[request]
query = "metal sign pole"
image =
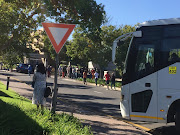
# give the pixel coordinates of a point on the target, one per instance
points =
(54, 33)
(55, 90)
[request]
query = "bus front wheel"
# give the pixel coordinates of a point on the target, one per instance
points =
(177, 120)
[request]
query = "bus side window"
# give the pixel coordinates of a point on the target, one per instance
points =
(170, 52)
(144, 60)
(173, 57)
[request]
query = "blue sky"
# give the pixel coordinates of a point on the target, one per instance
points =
(131, 12)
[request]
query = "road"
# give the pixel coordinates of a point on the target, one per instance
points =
(96, 99)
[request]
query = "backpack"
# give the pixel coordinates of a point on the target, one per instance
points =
(47, 92)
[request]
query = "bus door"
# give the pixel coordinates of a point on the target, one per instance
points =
(143, 88)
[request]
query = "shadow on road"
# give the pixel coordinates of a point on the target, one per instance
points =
(165, 130)
(115, 127)
(86, 101)
(12, 74)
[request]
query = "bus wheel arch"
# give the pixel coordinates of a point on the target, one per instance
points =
(172, 111)
(177, 120)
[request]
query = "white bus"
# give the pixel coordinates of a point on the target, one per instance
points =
(151, 78)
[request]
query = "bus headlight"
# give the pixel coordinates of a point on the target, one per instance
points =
(121, 97)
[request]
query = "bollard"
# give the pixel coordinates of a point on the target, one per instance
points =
(7, 83)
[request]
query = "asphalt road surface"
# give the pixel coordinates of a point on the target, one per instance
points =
(96, 99)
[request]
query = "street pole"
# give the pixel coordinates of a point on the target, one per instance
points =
(7, 86)
(55, 90)
(54, 35)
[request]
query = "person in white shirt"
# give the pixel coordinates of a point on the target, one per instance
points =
(59, 69)
(96, 77)
(73, 72)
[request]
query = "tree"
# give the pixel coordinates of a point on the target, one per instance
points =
(104, 48)
(87, 13)
(99, 50)
(19, 18)
(121, 50)
(17, 22)
(10, 58)
(78, 48)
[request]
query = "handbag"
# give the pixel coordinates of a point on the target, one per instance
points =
(33, 82)
(47, 92)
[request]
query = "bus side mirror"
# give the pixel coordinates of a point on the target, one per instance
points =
(137, 34)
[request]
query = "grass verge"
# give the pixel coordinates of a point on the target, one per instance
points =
(19, 117)
(101, 82)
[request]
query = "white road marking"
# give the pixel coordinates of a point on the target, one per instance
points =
(97, 92)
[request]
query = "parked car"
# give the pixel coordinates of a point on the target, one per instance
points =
(23, 68)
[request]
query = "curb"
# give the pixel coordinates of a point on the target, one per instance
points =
(114, 117)
(92, 84)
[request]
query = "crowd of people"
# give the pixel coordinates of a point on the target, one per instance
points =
(72, 72)
(41, 73)
(76, 72)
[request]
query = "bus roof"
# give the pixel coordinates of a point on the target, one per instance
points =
(160, 22)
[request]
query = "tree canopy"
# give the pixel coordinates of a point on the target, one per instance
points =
(99, 50)
(19, 18)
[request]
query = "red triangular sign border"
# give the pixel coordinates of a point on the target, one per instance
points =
(59, 46)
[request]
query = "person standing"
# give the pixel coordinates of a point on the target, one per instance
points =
(49, 71)
(70, 72)
(63, 71)
(76, 73)
(113, 80)
(81, 72)
(39, 86)
(107, 78)
(29, 70)
(96, 77)
(73, 72)
(92, 73)
(59, 69)
(84, 77)
(35, 68)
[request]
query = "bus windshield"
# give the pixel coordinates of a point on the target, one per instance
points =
(158, 48)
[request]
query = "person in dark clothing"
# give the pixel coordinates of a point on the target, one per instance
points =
(96, 77)
(70, 72)
(49, 71)
(113, 80)
(29, 70)
(84, 77)
(81, 72)
(63, 71)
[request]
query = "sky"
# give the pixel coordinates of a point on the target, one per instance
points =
(131, 12)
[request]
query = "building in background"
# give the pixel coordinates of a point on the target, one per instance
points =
(37, 56)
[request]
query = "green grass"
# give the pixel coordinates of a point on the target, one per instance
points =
(101, 82)
(19, 117)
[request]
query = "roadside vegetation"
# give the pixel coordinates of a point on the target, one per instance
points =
(101, 82)
(20, 117)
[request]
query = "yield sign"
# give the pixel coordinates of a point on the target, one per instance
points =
(58, 33)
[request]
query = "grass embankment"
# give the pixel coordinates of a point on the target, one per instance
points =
(19, 117)
(101, 82)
